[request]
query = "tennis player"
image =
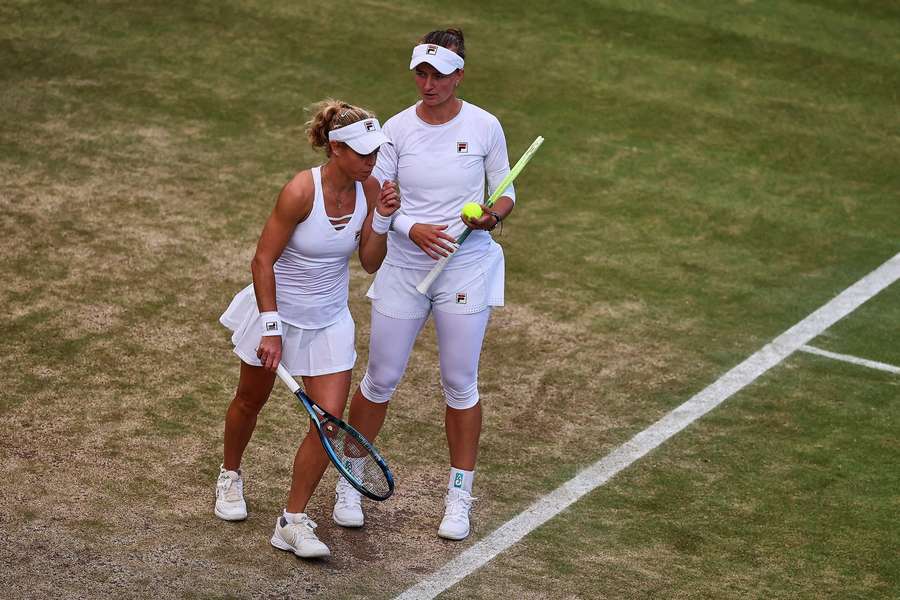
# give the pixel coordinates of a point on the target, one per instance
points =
(296, 311)
(443, 151)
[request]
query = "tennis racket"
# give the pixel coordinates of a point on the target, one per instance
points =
(510, 177)
(352, 455)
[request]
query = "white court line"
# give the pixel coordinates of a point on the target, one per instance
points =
(607, 467)
(872, 364)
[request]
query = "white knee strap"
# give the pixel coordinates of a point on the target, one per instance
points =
(374, 392)
(461, 399)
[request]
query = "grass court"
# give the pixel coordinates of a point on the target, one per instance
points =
(713, 172)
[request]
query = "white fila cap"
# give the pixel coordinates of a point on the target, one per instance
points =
(444, 60)
(364, 137)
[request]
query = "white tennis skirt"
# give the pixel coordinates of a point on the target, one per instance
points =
(309, 352)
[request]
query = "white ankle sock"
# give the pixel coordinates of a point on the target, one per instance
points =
(461, 480)
(291, 517)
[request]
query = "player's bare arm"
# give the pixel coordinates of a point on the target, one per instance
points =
(293, 205)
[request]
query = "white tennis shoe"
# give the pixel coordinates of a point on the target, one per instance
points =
(347, 505)
(299, 537)
(455, 524)
(230, 504)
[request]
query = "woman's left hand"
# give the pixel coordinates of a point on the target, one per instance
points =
(485, 222)
(388, 200)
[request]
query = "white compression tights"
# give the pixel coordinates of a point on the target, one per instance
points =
(459, 348)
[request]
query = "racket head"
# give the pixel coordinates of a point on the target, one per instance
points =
(355, 458)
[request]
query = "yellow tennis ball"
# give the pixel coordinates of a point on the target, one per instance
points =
(471, 210)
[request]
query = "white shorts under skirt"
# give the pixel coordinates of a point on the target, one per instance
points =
(307, 352)
(458, 291)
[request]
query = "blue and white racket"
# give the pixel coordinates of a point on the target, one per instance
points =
(355, 458)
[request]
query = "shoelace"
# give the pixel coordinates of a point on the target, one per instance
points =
(347, 494)
(303, 529)
(458, 506)
(232, 489)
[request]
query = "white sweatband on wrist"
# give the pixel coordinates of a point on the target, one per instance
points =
(403, 224)
(271, 323)
(380, 223)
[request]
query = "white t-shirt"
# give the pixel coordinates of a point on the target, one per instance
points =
(438, 169)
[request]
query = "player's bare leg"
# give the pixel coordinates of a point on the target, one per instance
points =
(254, 387)
(330, 392)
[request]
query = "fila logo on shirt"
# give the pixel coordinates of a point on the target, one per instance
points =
(370, 126)
(461, 298)
(432, 50)
(462, 147)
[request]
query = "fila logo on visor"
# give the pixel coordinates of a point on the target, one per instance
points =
(370, 126)
(462, 147)
(461, 298)
(431, 50)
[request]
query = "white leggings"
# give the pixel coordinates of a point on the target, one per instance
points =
(459, 348)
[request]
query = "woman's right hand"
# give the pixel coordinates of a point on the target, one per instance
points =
(432, 239)
(269, 352)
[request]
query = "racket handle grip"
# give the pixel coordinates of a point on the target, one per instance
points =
(432, 274)
(287, 378)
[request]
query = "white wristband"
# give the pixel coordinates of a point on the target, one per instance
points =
(403, 224)
(271, 323)
(380, 223)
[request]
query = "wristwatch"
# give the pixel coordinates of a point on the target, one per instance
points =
(497, 218)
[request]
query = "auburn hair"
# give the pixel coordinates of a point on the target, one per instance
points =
(331, 114)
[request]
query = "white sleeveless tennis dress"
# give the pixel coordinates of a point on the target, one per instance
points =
(312, 280)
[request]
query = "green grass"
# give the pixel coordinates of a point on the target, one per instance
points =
(713, 172)
(784, 492)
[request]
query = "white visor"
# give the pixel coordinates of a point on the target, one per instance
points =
(363, 136)
(444, 60)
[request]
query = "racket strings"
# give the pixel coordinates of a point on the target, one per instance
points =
(358, 460)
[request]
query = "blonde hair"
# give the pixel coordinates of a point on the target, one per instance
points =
(331, 114)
